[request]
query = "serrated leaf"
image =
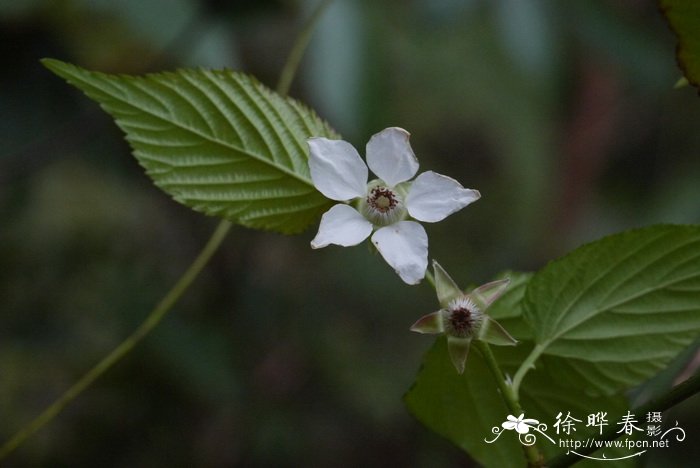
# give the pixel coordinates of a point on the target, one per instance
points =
(465, 408)
(462, 407)
(581, 376)
(619, 309)
(217, 141)
(547, 392)
(684, 18)
(508, 308)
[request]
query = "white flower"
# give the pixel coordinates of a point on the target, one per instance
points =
(520, 424)
(383, 205)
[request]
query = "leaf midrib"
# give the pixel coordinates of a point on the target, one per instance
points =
(594, 281)
(99, 77)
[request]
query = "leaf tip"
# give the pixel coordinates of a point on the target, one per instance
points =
(50, 63)
(56, 66)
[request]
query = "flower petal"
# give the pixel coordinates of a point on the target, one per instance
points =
(487, 293)
(404, 246)
(341, 225)
(492, 332)
(390, 156)
(431, 324)
(459, 350)
(445, 287)
(337, 169)
(509, 425)
(433, 197)
(522, 428)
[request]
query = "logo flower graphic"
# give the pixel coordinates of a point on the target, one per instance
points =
(385, 205)
(521, 425)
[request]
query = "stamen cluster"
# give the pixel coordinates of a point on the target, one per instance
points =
(382, 199)
(383, 206)
(463, 318)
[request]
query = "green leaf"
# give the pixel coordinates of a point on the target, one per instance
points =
(465, 408)
(684, 18)
(217, 141)
(508, 308)
(547, 392)
(462, 408)
(619, 309)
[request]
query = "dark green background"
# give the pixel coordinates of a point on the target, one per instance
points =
(563, 115)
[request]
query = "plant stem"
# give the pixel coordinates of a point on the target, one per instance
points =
(125, 346)
(510, 397)
(297, 52)
(671, 398)
(527, 364)
(431, 279)
(507, 390)
(170, 299)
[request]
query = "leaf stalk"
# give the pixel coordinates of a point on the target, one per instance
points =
(153, 319)
(510, 397)
(171, 298)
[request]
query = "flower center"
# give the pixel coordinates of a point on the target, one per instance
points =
(461, 321)
(383, 205)
(463, 318)
(382, 199)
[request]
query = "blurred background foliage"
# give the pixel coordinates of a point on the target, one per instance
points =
(563, 114)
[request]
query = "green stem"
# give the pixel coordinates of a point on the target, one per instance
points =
(431, 279)
(506, 389)
(297, 52)
(527, 364)
(671, 398)
(125, 346)
(510, 397)
(166, 304)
